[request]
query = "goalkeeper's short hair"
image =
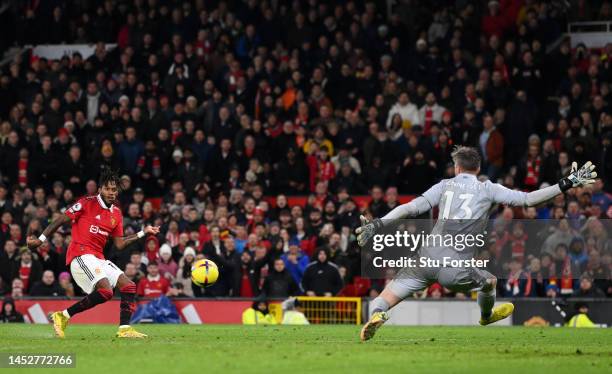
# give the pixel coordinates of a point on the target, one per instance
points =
(466, 158)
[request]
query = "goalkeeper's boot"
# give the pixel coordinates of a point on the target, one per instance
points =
(59, 321)
(498, 313)
(369, 329)
(129, 332)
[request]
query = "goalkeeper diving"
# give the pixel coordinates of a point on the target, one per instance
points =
(464, 204)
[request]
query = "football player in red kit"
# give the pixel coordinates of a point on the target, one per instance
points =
(95, 219)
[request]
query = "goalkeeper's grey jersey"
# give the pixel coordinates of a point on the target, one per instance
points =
(464, 204)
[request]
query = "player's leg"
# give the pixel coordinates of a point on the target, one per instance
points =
(101, 294)
(86, 271)
(127, 289)
(474, 279)
(486, 301)
(407, 282)
(385, 301)
(486, 298)
(378, 308)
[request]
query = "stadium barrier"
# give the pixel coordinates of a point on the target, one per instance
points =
(600, 310)
(451, 312)
(350, 310)
(318, 310)
(192, 311)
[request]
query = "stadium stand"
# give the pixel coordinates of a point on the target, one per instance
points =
(256, 130)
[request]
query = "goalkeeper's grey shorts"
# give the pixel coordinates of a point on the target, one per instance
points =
(413, 279)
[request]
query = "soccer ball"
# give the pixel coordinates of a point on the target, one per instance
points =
(204, 273)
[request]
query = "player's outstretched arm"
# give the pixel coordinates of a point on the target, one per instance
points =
(576, 178)
(123, 241)
(33, 242)
(414, 208)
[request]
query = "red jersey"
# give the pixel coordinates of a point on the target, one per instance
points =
(92, 224)
(153, 287)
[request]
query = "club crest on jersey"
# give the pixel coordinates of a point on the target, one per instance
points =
(98, 271)
(113, 221)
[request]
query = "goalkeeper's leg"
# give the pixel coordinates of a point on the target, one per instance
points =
(486, 300)
(394, 292)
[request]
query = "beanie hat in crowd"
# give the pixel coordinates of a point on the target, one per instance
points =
(165, 249)
(189, 251)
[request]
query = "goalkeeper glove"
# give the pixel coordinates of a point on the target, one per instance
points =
(367, 230)
(578, 177)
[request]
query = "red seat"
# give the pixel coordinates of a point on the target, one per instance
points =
(362, 286)
(348, 291)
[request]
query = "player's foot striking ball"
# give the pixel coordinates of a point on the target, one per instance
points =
(467, 201)
(94, 219)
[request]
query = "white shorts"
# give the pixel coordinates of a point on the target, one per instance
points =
(88, 270)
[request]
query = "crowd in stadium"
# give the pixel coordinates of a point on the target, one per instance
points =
(218, 114)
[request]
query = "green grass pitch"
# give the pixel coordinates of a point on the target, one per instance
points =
(287, 349)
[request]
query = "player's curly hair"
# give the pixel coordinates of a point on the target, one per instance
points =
(107, 176)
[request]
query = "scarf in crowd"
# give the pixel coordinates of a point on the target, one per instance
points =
(22, 174)
(533, 172)
(567, 284)
(428, 120)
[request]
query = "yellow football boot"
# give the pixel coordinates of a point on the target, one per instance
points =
(369, 329)
(498, 313)
(59, 321)
(129, 332)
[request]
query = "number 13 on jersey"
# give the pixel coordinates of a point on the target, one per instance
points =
(466, 211)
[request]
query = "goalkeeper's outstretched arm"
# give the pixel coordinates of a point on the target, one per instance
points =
(500, 194)
(414, 208)
(577, 177)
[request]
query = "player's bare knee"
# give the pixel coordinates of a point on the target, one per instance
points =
(124, 283)
(104, 288)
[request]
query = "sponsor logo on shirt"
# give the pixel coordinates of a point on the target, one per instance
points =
(96, 230)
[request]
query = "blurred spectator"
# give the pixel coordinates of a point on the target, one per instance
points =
(17, 290)
(517, 284)
(183, 274)
(295, 261)
(587, 289)
(153, 285)
(435, 291)
(65, 282)
(279, 283)
(581, 318)
(293, 313)
(177, 290)
(258, 314)
(27, 268)
(321, 278)
(47, 286)
(9, 313)
(167, 267)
